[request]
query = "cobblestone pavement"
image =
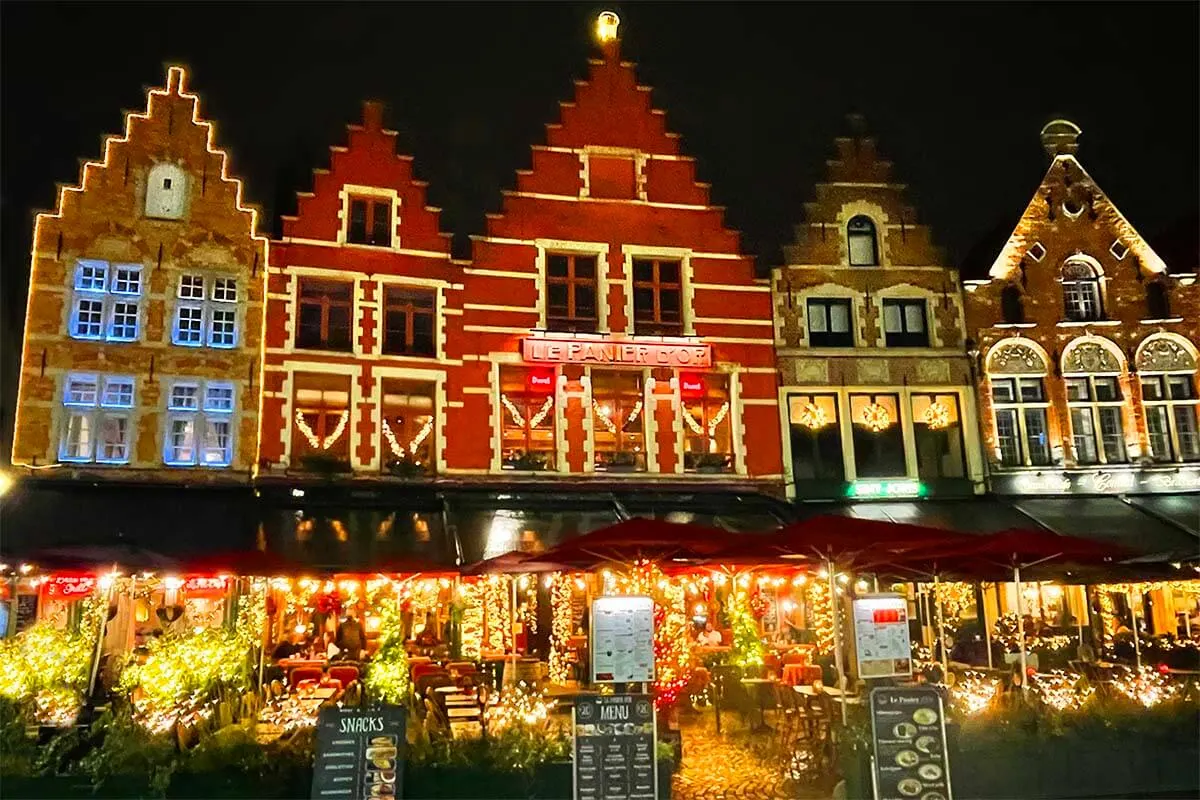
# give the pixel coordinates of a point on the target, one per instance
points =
(734, 765)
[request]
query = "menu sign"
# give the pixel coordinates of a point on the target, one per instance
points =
(360, 753)
(622, 639)
(908, 731)
(69, 587)
(614, 747)
(27, 610)
(881, 636)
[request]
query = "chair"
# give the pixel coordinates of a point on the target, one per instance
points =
(331, 683)
(306, 684)
(426, 683)
(424, 668)
(795, 657)
(772, 663)
(346, 673)
(299, 674)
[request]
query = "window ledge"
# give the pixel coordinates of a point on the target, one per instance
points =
(1160, 321)
(1098, 323)
(383, 248)
(1015, 325)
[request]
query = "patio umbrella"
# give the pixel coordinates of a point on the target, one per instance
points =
(636, 539)
(1018, 549)
(83, 557)
(512, 562)
(244, 562)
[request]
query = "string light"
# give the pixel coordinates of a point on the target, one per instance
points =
(1061, 691)
(936, 416)
(1146, 687)
(974, 692)
(813, 417)
(821, 613)
(519, 418)
(561, 621)
(876, 418)
(397, 448)
(328, 441)
(605, 415)
(713, 423)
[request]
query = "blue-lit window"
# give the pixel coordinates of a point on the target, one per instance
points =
(203, 319)
(105, 306)
(96, 425)
(200, 424)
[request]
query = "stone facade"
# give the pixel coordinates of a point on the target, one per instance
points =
(869, 317)
(144, 321)
(1102, 336)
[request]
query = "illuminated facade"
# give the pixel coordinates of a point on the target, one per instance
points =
(610, 324)
(1086, 348)
(362, 312)
(875, 388)
(143, 329)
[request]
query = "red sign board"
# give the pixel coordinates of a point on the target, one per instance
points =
(69, 587)
(540, 381)
(567, 350)
(202, 585)
(691, 385)
(883, 615)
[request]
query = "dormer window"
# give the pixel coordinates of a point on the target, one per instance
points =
(1081, 291)
(1158, 305)
(370, 222)
(860, 236)
(166, 191)
(1011, 306)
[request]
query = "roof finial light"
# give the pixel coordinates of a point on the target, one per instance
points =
(606, 26)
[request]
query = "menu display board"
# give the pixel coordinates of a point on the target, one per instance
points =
(27, 611)
(622, 639)
(908, 732)
(881, 636)
(360, 753)
(614, 747)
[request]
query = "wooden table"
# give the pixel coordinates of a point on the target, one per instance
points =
(462, 713)
(759, 683)
(795, 674)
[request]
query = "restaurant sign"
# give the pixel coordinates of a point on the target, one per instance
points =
(881, 640)
(1113, 480)
(608, 352)
(69, 587)
(908, 734)
(622, 639)
(360, 753)
(614, 747)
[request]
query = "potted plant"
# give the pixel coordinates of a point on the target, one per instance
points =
(622, 461)
(525, 462)
(324, 464)
(405, 467)
(713, 463)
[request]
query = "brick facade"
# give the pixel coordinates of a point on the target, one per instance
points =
(112, 272)
(1076, 296)
(859, 257)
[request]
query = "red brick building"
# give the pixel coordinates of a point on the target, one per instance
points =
(1087, 350)
(361, 293)
(607, 323)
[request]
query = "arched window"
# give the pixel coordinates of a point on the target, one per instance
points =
(1081, 291)
(860, 236)
(1167, 369)
(166, 191)
(1011, 305)
(1095, 402)
(1016, 375)
(1158, 305)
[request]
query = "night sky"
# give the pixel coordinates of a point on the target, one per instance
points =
(955, 92)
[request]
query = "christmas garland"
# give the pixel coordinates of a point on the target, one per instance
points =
(328, 441)
(519, 418)
(876, 417)
(813, 417)
(717, 419)
(606, 418)
(397, 448)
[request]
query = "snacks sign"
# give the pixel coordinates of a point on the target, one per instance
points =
(908, 733)
(360, 753)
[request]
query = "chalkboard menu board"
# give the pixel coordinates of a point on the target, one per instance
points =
(360, 753)
(614, 747)
(908, 730)
(27, 608)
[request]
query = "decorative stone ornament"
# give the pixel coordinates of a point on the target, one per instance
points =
(1090, 357)
(1016, 359)
(1164, 355)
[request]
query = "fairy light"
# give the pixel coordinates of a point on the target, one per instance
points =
(1061, 691)
(936, 416)
(397, 448)
(561, 623)
(813, 417)
(605, 415)
(974, 692)
(516, 708)
(329, 441)
(713, 423)
(471, 627)
(519, 419)
(876, 418)
(820, 606)
(1146, 686)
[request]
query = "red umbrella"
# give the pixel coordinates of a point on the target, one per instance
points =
(638, 538)
(243, 562)
(512, 562)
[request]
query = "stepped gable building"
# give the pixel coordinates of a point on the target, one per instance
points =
(611, 325)
(362, 320)
(875, 387)
(1086, 346)
(141, 349)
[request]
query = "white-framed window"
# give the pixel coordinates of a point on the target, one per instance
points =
(107, 301)
(1171, 423)
(861, 242)
(1081, 291)
(200, 422)
(206, 312)
(97, 413)
(166, 191)
(905, 323)
(1021, 412)
(1097, 425)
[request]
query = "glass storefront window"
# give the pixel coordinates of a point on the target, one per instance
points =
(407, 427)
(878, 436)
(526, 419)
(618, 421)
(707, 437)
(321, 419)
(816, 437)
(937, 428)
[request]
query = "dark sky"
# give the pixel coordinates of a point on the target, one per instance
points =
(955, 92)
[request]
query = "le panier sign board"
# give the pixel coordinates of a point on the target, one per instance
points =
(641, 353)
(881, 640)
(614, 747)
(360, 753)
(908, 733)
(622, 639)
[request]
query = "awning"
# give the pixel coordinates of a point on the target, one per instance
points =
(1179, 509)
(1110, 519)
(980, 515)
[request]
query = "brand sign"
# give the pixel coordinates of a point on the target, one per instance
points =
(360, 753)
(622, 639)
(691, 385)
(69, 587)
(1098, 481)
(202, 584)
(899, 488)
(881, 636)
(614, 747)
(908, 734)
(540, 381)
(567, 350)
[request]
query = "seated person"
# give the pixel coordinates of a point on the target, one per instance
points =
(428, 635)
(709, 637)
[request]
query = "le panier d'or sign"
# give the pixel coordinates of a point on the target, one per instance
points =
(567, 350)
